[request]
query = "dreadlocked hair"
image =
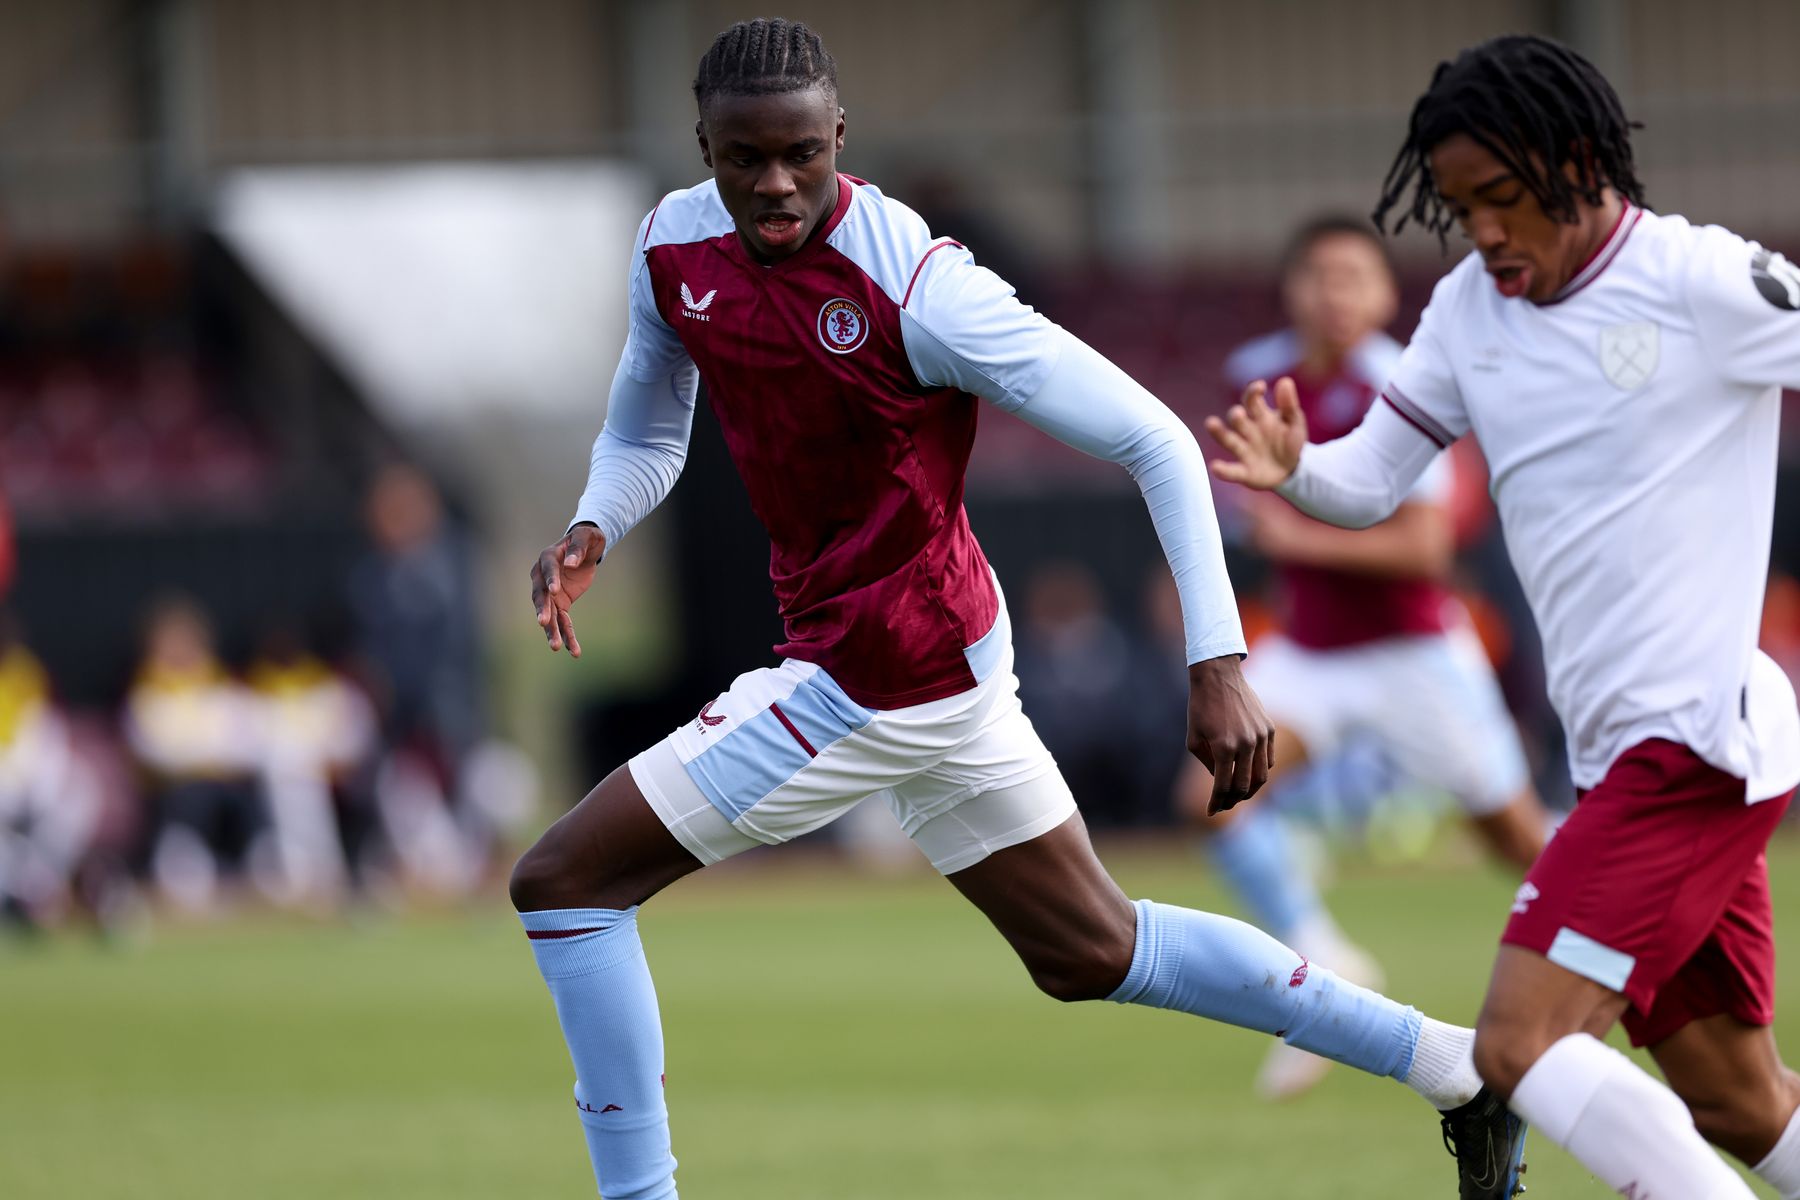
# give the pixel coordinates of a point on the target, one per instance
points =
(764, 57)
(1537, 106)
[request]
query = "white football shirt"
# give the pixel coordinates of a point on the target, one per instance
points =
(1630, 426)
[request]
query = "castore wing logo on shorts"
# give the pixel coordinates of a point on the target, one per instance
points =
(843, 326)
(1629, 353)
(1524, 896)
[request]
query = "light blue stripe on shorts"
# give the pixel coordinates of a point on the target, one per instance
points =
(990, 648)
(763, 753)
(1581, 954)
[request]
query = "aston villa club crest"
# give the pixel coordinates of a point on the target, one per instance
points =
(843, 326)
(1629, 353)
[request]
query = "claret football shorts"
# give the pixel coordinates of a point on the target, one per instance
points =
(1657, 887)
(784, 751)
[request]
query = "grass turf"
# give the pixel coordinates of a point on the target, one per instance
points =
(829, 1036)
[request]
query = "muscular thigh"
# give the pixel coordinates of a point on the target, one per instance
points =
(1050, 896)
(610, 851)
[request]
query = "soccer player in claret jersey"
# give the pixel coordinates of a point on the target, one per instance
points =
(1373, 643)
(843, 348)
(1621, 372)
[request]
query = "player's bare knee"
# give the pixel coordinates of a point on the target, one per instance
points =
(1092, 970)
(548, 876)
(534, 878)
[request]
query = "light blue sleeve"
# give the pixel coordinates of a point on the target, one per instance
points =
(640, 451)
(1026, 365)
(649, 415)
(964, 328)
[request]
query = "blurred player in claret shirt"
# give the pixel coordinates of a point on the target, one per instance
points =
(1621, 371)
(1373, 643)
(843, 349)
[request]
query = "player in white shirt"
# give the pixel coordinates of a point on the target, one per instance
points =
(1621, 372)
(1374, 643)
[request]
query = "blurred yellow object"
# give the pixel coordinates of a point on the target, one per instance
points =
(24, 690)
(278, 679)
(189, 719)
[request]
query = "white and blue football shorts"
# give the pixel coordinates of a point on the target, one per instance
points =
(1430, 701)
(784, 751)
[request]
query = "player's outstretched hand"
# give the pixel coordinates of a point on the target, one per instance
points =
(1228, 731)
(1264, 442)
(559, 577)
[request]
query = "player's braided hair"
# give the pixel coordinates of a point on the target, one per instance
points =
(764, 57)
(1536, 105)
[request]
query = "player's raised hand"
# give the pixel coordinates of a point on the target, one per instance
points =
(560, 575)
(1265, 442)
(1228, 731)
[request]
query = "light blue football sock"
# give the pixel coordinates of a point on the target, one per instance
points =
(1215, 967)
(1256, 857)
(594, 963)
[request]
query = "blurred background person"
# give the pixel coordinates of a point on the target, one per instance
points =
(195, 734)
(412, 600)
(50, 802)
(320, 736)
(1075, 668)
(1373, 643)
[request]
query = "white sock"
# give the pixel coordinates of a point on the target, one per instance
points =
(1443, 1066)
(1628, 1129)
(1781, 1168)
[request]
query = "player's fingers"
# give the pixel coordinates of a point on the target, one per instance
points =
(566, 621)
(1224, 434)
(539, 603)
(1243, 775)
(1256, 401)
(548, 563)
(1287, 400)
(1232, 441)
(1230, 472)
(1222, 793)
(1271, 750)
(1259, 764)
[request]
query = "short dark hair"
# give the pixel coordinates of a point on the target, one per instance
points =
(1326, 225)
(765, 57)
(1536, 105)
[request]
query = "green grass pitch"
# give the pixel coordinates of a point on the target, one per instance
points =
(829, 1036)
